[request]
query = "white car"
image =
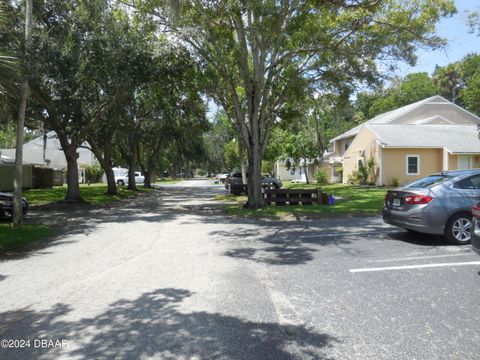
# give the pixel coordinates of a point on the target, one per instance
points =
(222, 177)
(123, 179)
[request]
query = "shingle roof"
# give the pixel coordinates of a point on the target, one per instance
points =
(391, 116)
(33, 152)
(455, 138)
(6, 159)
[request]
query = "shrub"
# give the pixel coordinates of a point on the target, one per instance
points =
(394, 182)
(321, 177)
(93, 174)
(355, 178)
(366, 173)
(363, 174)
(338, 169)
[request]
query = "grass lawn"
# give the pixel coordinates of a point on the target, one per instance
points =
(95, 194)
(166, 181)
(13, 238)
(352, 200)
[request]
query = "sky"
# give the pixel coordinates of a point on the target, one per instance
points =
(460, 42)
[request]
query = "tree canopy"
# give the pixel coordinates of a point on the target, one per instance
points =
(258, 55)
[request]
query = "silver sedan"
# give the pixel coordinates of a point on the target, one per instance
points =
(437, 204)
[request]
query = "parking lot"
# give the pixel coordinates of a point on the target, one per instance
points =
(378, 292)
(169, 276)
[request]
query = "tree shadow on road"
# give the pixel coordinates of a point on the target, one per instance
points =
(153, 326)
(276, 244)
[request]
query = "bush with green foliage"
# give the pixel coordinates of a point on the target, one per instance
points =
(362, 174)
(93, 174)
(365, 175)
(394, 182)
(321, 177)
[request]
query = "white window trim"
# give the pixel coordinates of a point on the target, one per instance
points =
(406, 164)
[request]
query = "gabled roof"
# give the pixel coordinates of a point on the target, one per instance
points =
(389, 118)
(33, 152)
(460, 139)
(4, 159)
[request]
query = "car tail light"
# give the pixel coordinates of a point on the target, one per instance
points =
(418, 199)
(476, 211)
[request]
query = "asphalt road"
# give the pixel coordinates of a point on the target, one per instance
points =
(168, 276)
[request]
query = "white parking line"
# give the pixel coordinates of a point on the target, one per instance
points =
(420, 257)
(346, 233)
(407, 267)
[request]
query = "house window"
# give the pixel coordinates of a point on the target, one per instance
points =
(413, 164)
(346, 145)
(464, 162)
(359, 163)
(292, 172)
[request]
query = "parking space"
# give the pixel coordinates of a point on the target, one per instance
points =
(379, 291)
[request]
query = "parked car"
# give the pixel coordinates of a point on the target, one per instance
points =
(6, 206)
(475, 231)
(222, 177)
(235, 179)
(123, 179)
(437, 204)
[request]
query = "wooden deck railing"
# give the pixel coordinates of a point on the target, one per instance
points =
(295, 196)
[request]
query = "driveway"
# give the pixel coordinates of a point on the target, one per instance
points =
(169, 276)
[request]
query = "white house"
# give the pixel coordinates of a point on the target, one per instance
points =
(48, 152)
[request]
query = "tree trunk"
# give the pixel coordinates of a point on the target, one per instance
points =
(131, 173)
(107, 167)
(255, 195)
(148, 179)
(305, 170)
(18, 178)
(131, 180)
(111, 184)
(320, 145)
(73, 186)
(241, 157)
(132, 163)
(105, 160)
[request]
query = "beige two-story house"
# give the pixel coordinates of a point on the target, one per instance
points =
(405, 144)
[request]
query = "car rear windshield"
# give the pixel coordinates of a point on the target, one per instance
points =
(428, 181)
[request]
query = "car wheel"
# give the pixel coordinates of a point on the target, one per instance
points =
(458, 228)
(120, 183)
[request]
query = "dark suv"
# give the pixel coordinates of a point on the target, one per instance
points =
(6, 206)
(234, 182)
